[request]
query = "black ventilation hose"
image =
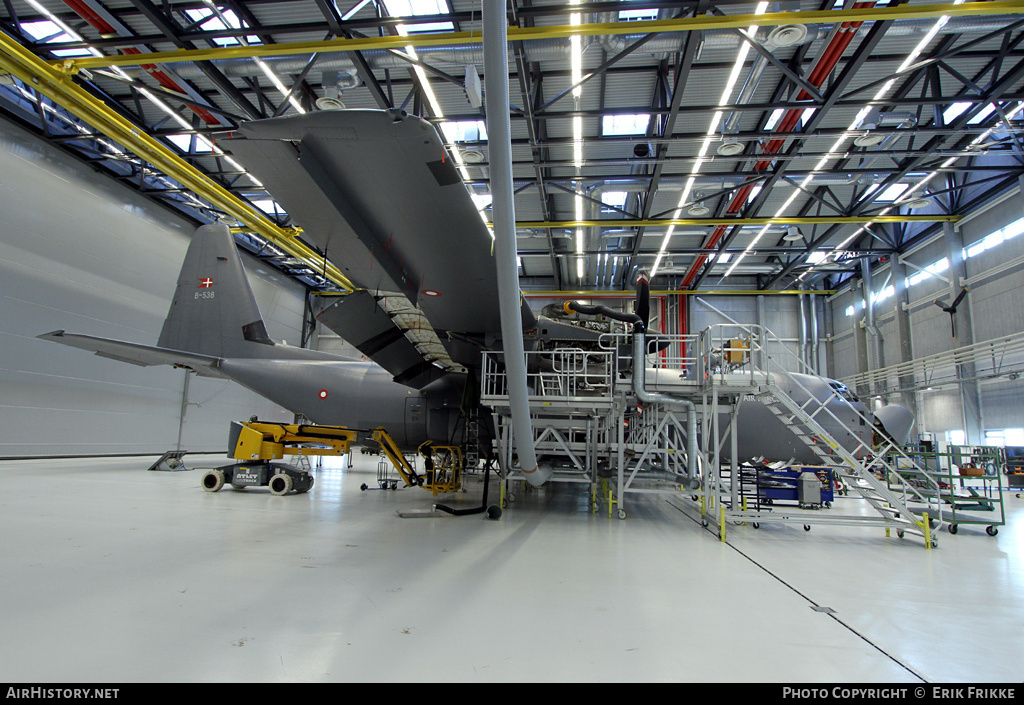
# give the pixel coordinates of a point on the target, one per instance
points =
(493, 511)
(577, 307)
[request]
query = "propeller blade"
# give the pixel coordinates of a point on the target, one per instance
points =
(959, 298)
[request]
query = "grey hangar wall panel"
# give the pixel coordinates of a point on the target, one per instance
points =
(85, 254)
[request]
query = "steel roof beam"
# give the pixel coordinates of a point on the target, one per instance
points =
(878, 15)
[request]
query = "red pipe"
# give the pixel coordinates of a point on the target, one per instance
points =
(826, 63)
(104, 28)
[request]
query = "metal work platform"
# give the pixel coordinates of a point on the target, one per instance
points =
(590, 426)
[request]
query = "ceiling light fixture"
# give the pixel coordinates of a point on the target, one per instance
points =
(787, 35)
(792, 234)
(730, 147)
(868, 139)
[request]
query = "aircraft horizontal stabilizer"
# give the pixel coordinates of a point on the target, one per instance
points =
(135, 354)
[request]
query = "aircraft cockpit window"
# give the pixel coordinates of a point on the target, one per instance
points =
(844, 391)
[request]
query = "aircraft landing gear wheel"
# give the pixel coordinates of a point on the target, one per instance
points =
(953, 528)
(622, 514)
(213, 480)
(991, 530)
(280, 484)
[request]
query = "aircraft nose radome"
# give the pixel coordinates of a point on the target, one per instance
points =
(897, 421)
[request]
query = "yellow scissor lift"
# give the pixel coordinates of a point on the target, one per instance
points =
(260, 444)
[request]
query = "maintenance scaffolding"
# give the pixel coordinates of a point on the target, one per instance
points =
(591, 425)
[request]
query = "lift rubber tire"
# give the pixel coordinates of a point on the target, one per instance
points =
(991, 530)
(953, 528)
(280, 484)
(213, 480)
(311, 483)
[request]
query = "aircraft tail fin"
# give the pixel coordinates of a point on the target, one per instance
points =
(213, 311)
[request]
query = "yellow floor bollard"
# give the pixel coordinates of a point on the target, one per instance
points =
(721, 522)
(927, 531)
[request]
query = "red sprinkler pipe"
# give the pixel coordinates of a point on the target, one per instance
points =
(826, 63)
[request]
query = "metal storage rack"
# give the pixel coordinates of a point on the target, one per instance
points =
(1015, 468)
(970, 483)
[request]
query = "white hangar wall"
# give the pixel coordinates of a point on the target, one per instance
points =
(994, 304)
(82, 253)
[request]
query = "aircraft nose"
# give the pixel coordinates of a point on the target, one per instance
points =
(897, 422)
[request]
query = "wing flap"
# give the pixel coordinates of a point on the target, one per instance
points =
(359, 320)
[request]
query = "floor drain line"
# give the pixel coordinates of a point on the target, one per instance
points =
(813, 605)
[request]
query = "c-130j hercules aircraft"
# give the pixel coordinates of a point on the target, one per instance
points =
(340, 174)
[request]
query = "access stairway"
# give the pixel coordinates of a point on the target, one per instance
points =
(857, 465)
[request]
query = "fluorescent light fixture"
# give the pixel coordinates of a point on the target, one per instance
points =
(710, 134)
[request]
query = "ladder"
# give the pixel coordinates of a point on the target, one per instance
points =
(855, 466)
(853, 461)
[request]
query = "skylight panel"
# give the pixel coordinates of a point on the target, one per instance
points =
(774, 118)
(954, 111)
(615, 199)
(47, 32)
(44, 31)
(618, 125)
(184, 143)
(412, 8)
(464, 131)
(890, 194)
(214, 23)
(984, 113)
(268, 206)
(817, 257)
(637, 15)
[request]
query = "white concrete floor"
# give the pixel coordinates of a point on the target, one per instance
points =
(109, 573)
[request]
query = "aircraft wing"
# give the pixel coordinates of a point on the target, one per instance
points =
(136, 354)
(379, 193)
